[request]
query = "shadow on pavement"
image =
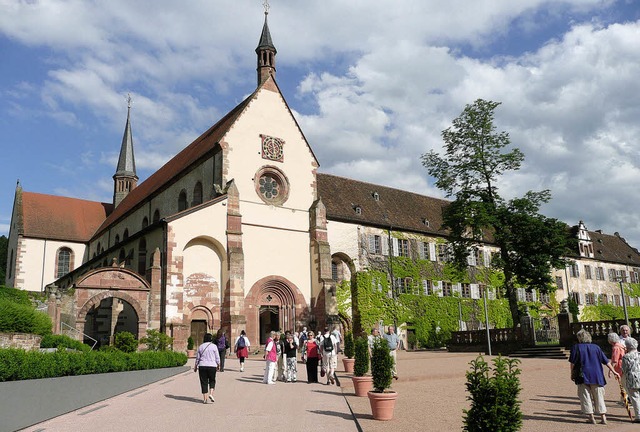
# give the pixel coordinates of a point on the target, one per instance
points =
(184, 398)
(333, 414)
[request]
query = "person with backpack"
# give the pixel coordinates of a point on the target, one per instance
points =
(303, 338)
(329, 346)
(223, 344)
(241, 348)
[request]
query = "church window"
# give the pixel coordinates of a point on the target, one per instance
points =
(98, 248)
(217, 171)
(126, 234)
(156, 216)
(182, 201)
(121, 257)
(117, 238)
(145, 222)
(142, 257)
(63, 264)
(271, 185)
(197, 194)
(334, 271)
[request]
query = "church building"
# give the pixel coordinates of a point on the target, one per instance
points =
(237, 231)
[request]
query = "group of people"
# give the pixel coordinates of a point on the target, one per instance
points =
(392, 342)
(210, 359)
(281, 355)
(587, 359)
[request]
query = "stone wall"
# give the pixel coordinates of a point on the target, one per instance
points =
(25, 341)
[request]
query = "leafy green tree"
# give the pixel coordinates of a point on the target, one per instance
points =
(476, 156)
(156, 341)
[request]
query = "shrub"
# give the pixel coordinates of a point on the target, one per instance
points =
(381, 364)
(19, 318)
(361, 363)
(126, 342)
(156, 341)
(348, 345)
(17, 364)
(493, 396)
(62, 341)
(190, 343)
(15, 295)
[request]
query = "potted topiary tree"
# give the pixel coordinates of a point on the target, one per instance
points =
(348, 360)
(361, 382)
(382, 399)
(190, 351)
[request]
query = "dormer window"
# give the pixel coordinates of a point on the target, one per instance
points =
(375, 196)
(358, 210)
(425, 222)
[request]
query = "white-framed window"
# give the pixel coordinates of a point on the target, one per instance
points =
(375, 244)
(427, 287)
(574, 271)
(424, 250)
(444, 252)
(403, 247)
(447, 289)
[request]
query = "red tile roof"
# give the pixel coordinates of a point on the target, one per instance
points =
(613, 248)
(176, 166)
(61, 218)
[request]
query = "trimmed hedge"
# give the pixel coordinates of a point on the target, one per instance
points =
(20, 318)
(17, 364)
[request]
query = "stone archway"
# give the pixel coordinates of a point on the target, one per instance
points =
(273, 302)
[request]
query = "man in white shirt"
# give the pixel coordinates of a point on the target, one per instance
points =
(329, 347)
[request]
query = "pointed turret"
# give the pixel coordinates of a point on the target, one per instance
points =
(125, 178)
(266, 51)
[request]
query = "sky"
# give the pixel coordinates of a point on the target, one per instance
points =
(372, 84)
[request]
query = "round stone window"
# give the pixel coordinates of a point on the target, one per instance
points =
(272, 186)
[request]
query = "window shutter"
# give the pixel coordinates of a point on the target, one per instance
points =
(534, 295)
(521, 295)
(491, 294)
(394, 245)
(421, 250)
(425, 287)
(437, 288)
(372, 243)
(475, 291)
(385, 245)
(432, 252)
(487, 258)
(456, 288)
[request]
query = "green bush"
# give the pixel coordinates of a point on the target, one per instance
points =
(15, 295)
(17, 364)
(349, 349)
(190, 343)
(20, 318)
(156, 341)
(493, 396)
(126, 342)
(62, 341)
(381, 364)
(361, 363)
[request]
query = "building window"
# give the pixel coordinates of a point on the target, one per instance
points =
(574, 271)
(590, 299)
(145, 222)
(156, 216)
(545, 298)
(466, 290)
(444, 252)
(599, 273)
(63, 265)
(603, 299)
(616, 300)
(125, 236)
(587, 272)
(375, 244)
(121, 257)
(403, 247)
(621, 275)
(182, 201)
(423, 250)
(612, 276)
(479, 254)
(427, 287)
(271, 185)
(447, 289)
(635, 276)
(404, 285)
(529, 296)
(559, 282)
(117, 239)
(197, 194)
(575, 296)
(142, 257)
(334, 271)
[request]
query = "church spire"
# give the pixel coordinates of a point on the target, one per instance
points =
(125, 178)
(266, 51)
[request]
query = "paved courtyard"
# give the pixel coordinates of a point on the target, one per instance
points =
(431, 397)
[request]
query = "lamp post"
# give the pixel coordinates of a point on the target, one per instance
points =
(624, 303)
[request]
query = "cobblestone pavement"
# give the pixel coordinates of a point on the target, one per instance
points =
(431, 391)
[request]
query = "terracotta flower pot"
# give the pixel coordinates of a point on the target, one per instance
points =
(191, 353)
(348, 364)
(382, 404)
(362, 385)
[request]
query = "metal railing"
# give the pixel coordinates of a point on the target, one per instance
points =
(73, 329)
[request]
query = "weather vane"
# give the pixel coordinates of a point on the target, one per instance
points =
(266, 7)
(128, 100)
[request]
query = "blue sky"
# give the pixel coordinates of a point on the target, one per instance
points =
(372, 84)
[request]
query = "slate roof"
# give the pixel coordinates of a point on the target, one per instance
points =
(61, 218)
(402, 210)
(613, 248)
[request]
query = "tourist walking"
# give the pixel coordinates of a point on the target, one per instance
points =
(631, 369)
(271, 358)
(589, 358)
(625, 332)
(207, 361)
(241, 348)
(302, 338)
(371, 339)
(618, 350)
(223, 344)
(336, 334)
(291, 358)
(392, 342)
(311, 356)
(328, 345)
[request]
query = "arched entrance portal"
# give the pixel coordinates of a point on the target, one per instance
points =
(112, 315)
(273, 304)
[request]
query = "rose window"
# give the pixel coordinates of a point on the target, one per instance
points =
(272, 186)
(269, 187)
